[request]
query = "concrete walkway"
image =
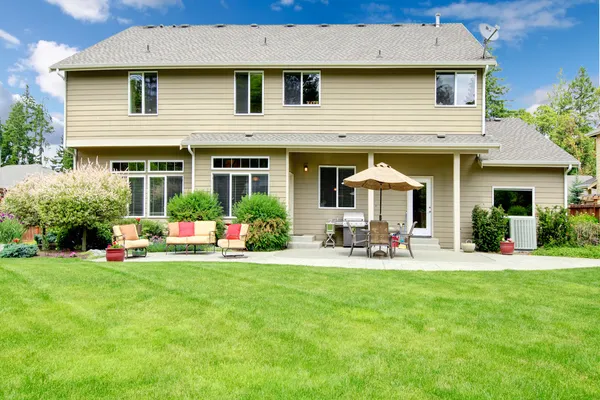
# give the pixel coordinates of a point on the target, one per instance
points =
(442, 260)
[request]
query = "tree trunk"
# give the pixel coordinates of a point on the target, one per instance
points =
(84, 240)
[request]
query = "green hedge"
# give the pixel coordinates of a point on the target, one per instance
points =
(554, 227)
(196, 206)
(268, 219)
(489, 228)
(19, 251)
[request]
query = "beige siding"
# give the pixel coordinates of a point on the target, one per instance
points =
(477, 184)
(378, 101)
(308, 217)
(277, 170)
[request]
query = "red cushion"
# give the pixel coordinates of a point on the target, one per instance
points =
(233, 231)
(186, 229)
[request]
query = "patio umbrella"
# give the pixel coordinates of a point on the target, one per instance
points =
(382, 177)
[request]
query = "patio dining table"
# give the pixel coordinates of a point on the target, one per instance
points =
(399, 230)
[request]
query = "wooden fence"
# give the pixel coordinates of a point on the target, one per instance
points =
(591, 209)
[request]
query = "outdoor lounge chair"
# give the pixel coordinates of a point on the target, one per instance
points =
(127, 236)
(404, 238)
(359, 239)
(233, 241)
(187, 234)
(378, 236)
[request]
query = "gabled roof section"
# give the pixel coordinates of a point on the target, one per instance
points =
(522, 145)
(205, 46)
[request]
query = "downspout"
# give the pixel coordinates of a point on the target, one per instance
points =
(193, 153)
(483, 102)
(64, 141)
(567, 170)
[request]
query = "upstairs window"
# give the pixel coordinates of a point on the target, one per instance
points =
(248, 93)
(143, 93)
(301, 88)
(455, 88)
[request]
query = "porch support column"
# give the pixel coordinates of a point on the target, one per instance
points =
(371, 193)
(456, 201)
(287, 180)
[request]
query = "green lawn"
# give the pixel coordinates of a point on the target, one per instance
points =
(76, 329)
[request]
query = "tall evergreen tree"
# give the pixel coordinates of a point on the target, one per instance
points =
(63, 160)
(495, 90)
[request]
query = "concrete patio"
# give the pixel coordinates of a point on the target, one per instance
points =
(442, 260)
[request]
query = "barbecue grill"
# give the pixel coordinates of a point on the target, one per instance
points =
(354, 219)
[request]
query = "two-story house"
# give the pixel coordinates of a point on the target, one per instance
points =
(292, 110)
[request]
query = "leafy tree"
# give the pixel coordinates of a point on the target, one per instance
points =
(495, 103)
(63, 160)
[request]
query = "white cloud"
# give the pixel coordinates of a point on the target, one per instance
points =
(58, 123)
(16, 81)
(297, 7)
(124, 21)
(141, 4)
(538, 98)
(377, 13)
(84, 10)
(516, 18)
(281, 4)
(6, 100)
(10, 40)
(41, 56)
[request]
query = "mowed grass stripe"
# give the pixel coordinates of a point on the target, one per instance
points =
(73, 329)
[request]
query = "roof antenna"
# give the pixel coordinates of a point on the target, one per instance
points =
(265, 41)
(490, 34)
(147, 48)
(379, 55)
(437, 43)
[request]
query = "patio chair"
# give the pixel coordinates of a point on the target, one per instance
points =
(234, 241)
(127, 236)
(404, 238)
(378, 236)
(359, 238)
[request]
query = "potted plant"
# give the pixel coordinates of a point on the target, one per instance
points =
(139, 226)
(115, 252)
(507, 246)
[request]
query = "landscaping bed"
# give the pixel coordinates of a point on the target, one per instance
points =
(78, 329)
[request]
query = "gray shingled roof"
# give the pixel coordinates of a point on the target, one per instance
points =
(521, 144)
(299, 45)
(10, 175)
(335, 140)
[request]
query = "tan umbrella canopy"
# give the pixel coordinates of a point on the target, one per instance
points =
(382, 177)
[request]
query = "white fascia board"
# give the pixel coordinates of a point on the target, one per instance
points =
(529, 163)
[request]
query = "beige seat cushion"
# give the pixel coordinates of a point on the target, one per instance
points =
(129, 232)
(199, 240)
(136, 244)
(173, 229)
(232, 244)
(117, 231)
(244, 229)
(204, 228)
(176, 240)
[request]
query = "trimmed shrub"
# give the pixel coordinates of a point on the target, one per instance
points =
(196, 206)
(22, 200)
(489, 228)
(554, 227)
(19, 251)
(150, 227)
(10, 228)
(517, 211)
(268, 219)
(575, 219)
(586, 230)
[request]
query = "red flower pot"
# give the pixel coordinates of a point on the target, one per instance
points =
(507, 248)
(115, 255)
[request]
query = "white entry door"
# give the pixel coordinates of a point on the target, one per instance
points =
(420, 207)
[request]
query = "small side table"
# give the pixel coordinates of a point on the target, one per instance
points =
(330, 231)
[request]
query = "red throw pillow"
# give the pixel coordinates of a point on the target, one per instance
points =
(186, 229)
(233, 232)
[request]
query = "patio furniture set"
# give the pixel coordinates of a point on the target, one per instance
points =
(199, 233)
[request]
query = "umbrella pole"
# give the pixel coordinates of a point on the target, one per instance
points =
(380, 191)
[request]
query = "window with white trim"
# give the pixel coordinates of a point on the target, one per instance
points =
(143, 93)
(161, 189)
(332, 191)
(165, 166)
(137, 203)
(231, 187)
(302, 88)
(240, 162)
(128, 166)
(457, 88)
(248, 90)
(515, 201)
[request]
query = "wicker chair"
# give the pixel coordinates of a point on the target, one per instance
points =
(378, 236)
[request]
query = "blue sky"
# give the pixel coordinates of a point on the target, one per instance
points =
(538, 37)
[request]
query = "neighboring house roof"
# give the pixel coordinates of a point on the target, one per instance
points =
(10, 175)
(297, 45)
(594, 133)
(522, 145)
(340, 140)
(583, 180)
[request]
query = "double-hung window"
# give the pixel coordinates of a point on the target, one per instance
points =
(456, 88)
(236, 177)
(332, 191)
(137, 182)
(143, 93)
(162, 188)
(301, 88)
(248, 91)
(515, 201)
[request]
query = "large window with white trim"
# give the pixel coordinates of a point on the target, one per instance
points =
(301, 88)
(232, 186)
(161, 189)
(456, 88)
(143, 93)
(249, 92)
(136, 205)
(332, 191)
(515, 201)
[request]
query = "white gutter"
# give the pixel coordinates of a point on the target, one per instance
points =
(193, 153)
(567, 170)
(383, 148)
(527, 163)
(483, 102)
